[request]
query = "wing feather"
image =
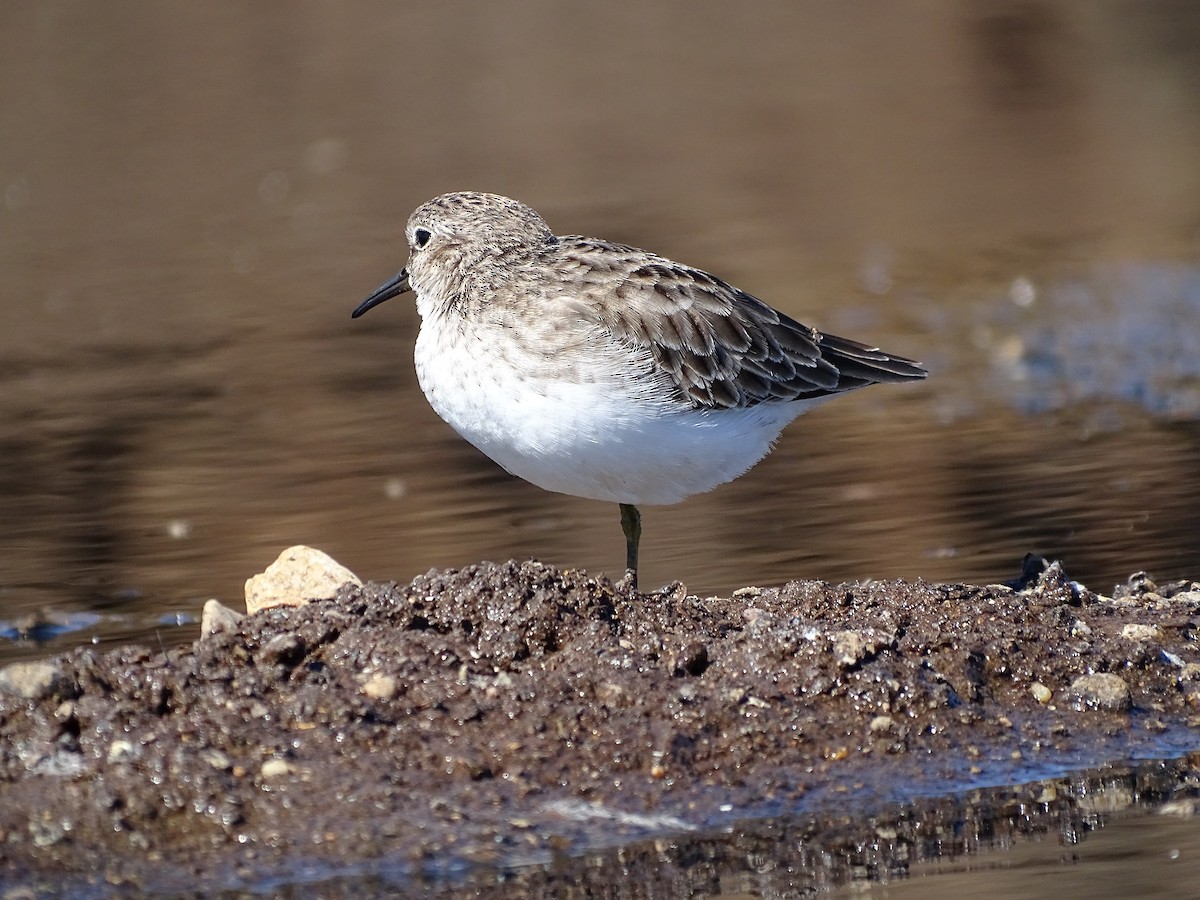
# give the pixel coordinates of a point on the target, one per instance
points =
(722, 348)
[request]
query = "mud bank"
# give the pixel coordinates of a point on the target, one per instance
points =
(478, 720)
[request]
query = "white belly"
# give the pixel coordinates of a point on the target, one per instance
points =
(615, 437)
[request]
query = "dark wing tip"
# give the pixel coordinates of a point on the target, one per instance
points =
(860, 364)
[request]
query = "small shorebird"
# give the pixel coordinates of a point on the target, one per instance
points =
(599, 370)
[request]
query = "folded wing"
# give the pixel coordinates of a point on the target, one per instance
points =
(722, 347)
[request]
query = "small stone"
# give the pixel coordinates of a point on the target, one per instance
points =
(275, 768)
(380, 687)
(1171, 659)
(32, 680)
(1103, 691)
(218, 760)
(676, 591)
(1041, 693)
(61, 764)
(744, 592)
(1141, 633)
(1079, 628)
(752, 614)
(217, 618)
(121, 751)
(882, 725)
(851, 648)
(300, 575)
(1136, 586)
(47, 833)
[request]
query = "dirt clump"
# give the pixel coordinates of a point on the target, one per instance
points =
(512, 712)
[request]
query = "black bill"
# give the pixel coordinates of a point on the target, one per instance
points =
(386, 291)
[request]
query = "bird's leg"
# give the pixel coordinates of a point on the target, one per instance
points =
(631, 524)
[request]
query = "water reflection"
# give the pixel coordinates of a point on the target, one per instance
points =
(1122, 831)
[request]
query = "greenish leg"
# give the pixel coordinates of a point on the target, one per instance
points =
(631, 524)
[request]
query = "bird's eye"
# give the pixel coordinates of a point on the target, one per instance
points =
(421, 237)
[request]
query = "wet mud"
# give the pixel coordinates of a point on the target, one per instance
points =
(503, 724)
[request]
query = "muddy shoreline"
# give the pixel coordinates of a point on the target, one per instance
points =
(474, 721)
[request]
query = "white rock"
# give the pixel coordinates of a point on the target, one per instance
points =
(218, 618)
(882, 725)
(274, 768)
(380, 687)
(121, 751)
(1103, 691)
(300, 574)
(1141, 633)
(32, 680)
(852, 647)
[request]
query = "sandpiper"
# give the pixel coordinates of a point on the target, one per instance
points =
(599, 370)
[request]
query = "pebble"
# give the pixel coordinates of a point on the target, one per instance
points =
(852, 647)
(300, 575)
(1041, 693)
(1190, 672)
(273, 768)
(380, 687)
(1188, 598)
(121, 751)
(218, 760)
(217, 618)
(1171, 659)
(32, 680)
(881, 725)
(1102, 691)
(1141, 633)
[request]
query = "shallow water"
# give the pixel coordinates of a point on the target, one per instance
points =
(193, 198)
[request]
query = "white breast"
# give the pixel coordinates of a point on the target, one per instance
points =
(588, 422)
